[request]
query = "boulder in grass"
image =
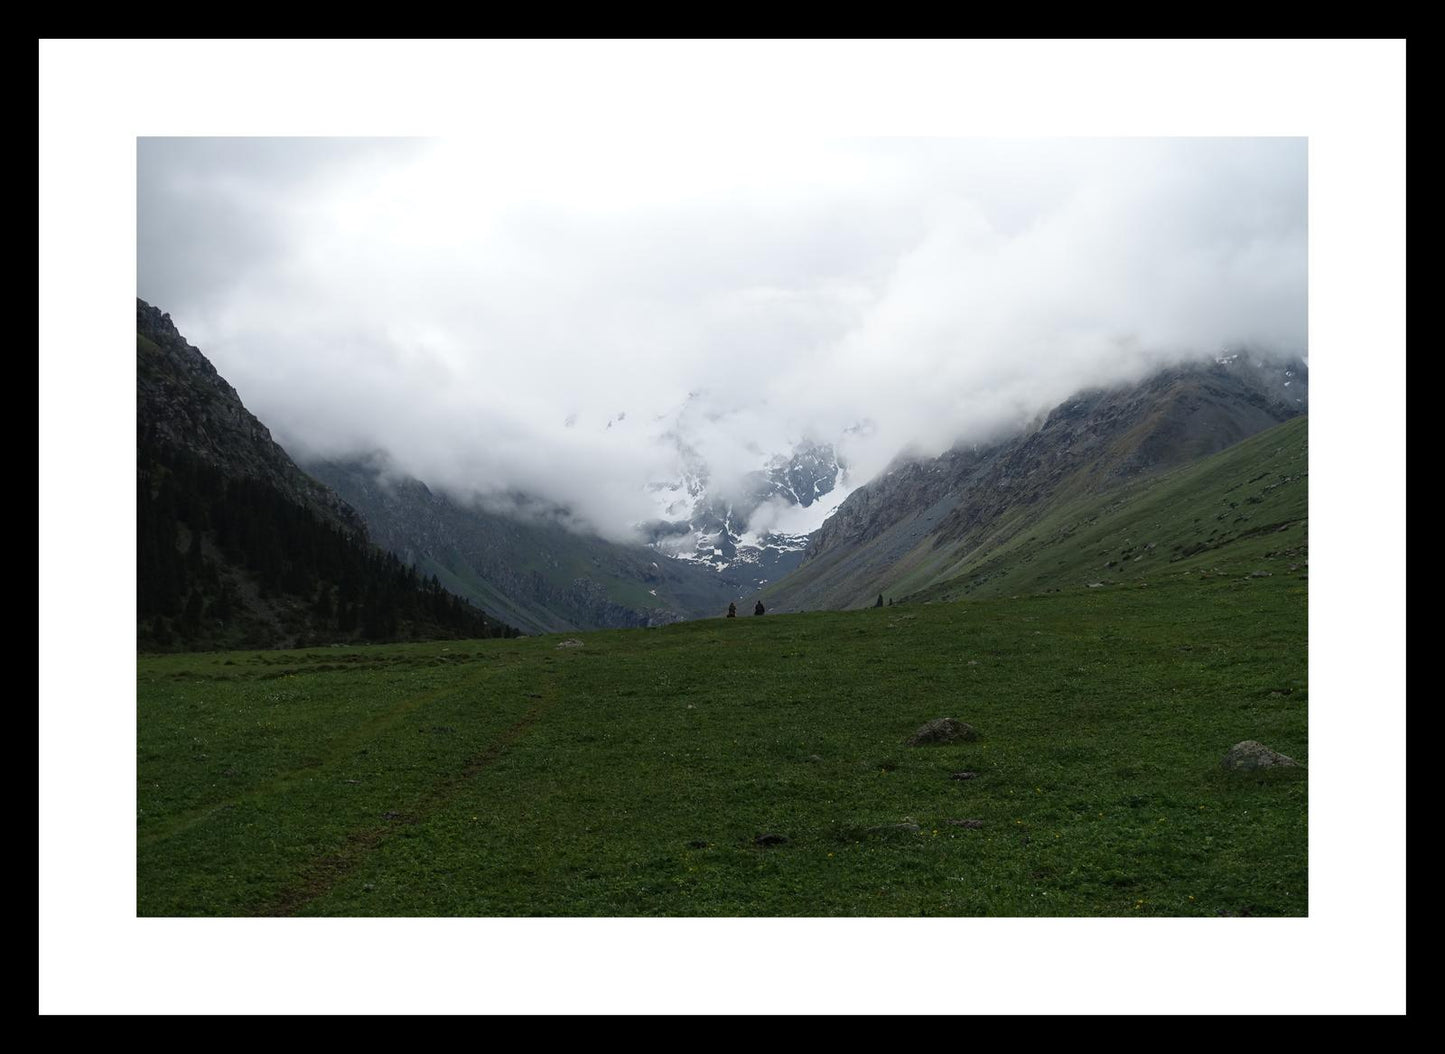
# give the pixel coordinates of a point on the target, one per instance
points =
(1251, 755)
(943, 730)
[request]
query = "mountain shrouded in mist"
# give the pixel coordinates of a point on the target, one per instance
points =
(524, 321)
(927, 519)
(236, 546)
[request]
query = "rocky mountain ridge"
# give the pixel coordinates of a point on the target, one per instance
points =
(236, 546)
(722, 532)
(902, 530)
(184, 403)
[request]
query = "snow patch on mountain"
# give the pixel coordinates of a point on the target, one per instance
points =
(757, 520)
(778, 522)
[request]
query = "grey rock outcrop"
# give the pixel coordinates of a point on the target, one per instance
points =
(943, 730)
(1251, 755)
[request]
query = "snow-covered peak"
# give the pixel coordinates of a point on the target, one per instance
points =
(759, 522)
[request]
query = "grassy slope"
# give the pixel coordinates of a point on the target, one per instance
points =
(1244, 510)
(456, 577)
(630, 776)
(1247, 505)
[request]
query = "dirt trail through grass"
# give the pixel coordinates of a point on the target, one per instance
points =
(342, 748)
(326, 871)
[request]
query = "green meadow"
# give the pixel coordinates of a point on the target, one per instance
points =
(755, 766)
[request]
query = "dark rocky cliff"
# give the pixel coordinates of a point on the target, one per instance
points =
(236, 546)
(183, 403)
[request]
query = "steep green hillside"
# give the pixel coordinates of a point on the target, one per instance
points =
(925, 521)
(751, 766)
(1243, 511)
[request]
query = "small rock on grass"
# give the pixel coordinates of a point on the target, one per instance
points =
(971, 824)
(963, 776)
(943, 730)
(770, 839)
(1250, 755)
(570, 642)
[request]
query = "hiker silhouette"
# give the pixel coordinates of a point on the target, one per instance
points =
(759, 609)
(732, 611)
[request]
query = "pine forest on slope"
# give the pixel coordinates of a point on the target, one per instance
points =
(236, 546)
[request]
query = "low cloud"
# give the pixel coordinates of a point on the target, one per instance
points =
(559, 322)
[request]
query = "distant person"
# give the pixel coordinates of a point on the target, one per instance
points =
(732, 611)
(880, 601)
(759, 609)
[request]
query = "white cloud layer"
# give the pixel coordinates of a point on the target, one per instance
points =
(485, 310)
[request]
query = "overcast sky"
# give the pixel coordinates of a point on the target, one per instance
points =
(487, 311)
